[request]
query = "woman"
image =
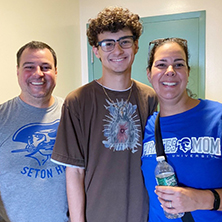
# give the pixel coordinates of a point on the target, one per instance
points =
(192, 135)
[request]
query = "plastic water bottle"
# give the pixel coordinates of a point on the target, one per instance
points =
(165, 176)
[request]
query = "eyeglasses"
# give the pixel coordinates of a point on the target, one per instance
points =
(157, 42)
(125, 42)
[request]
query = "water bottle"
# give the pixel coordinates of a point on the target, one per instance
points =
(165, 176)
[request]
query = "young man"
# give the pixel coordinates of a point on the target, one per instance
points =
(101, 129)
(32, 187)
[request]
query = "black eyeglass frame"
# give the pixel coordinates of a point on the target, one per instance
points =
(113, 40)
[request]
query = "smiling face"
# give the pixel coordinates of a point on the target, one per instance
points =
(119, 60)
(37, 76)
(169, 72)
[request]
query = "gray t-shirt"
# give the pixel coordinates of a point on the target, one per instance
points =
(32, 187)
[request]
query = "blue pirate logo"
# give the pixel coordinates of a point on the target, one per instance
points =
(184, 144)
(38, 139)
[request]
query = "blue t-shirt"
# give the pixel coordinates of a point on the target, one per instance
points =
(192, 143)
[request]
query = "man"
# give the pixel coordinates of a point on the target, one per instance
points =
(32, 187)
(101, 129)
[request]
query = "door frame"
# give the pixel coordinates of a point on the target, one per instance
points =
(200, 16)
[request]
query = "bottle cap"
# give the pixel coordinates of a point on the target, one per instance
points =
(160, 158)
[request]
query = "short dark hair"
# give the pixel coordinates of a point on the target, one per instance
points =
(35, 45)
(159, 42)
(113, 19)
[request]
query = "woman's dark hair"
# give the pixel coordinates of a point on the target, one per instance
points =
(159, 42)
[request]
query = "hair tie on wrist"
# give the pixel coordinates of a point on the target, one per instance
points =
(216, 199)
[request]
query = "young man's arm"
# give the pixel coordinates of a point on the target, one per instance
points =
(76, 193)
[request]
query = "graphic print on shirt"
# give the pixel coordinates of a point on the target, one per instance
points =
(121, 129)
(207, 146)
(38, 139)
(184, 144)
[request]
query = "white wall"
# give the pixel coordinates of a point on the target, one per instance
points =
(55, 22)
(147, 8)
(62, 24)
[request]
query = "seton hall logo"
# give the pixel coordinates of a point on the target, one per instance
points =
(38, 139)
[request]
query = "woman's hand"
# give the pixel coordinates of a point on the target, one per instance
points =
(184, 199)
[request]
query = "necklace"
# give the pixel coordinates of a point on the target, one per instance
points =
(112, 100)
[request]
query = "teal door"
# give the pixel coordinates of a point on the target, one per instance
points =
(190, 26)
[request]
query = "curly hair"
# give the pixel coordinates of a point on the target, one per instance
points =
(113, 19)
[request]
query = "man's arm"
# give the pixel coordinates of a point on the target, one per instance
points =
(76, 193)
(3, 214)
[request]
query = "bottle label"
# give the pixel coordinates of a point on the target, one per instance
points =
(166, 179)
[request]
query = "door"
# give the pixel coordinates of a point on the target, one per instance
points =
(190, 26)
